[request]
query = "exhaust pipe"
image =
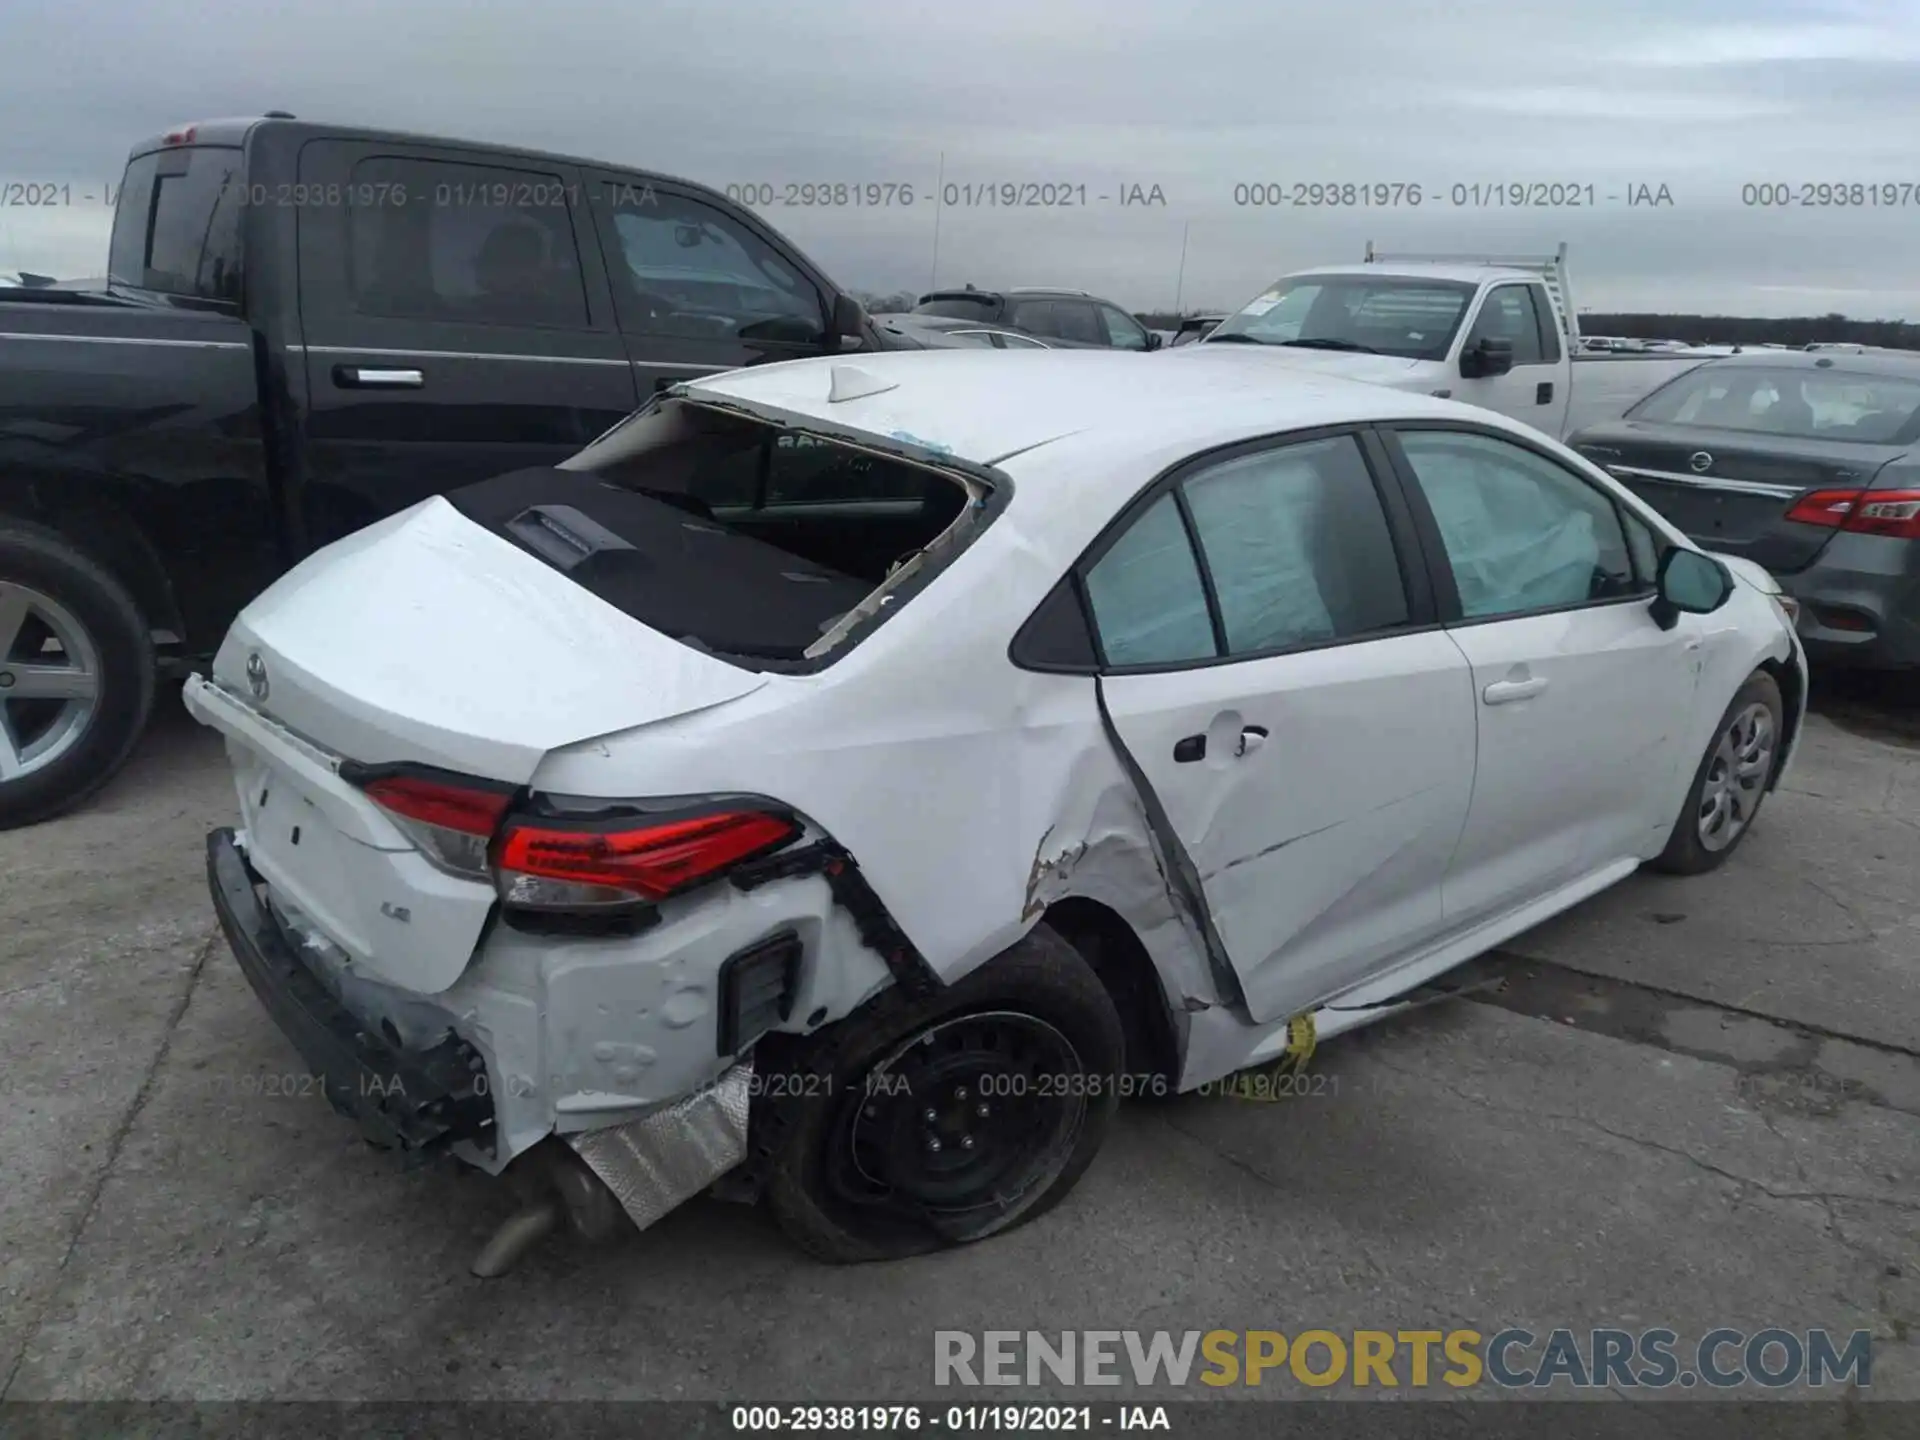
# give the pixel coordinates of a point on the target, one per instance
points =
(562, 1189)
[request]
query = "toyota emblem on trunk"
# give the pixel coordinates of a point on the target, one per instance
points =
(257, 676)
(1701, 462)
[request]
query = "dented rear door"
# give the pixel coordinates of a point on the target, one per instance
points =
(1296, 727)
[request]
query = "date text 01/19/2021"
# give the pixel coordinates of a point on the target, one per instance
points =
(948, 1419)
(1477, 195)
(953, 194)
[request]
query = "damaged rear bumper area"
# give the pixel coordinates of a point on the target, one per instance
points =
(403, 1099)
(423, 1100)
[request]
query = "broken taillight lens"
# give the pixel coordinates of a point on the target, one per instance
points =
(1894, 513)
(451, 823)
(552, 865)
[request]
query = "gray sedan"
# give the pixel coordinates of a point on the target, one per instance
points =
(1807, 464)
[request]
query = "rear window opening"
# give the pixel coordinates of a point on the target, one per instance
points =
(757, 543)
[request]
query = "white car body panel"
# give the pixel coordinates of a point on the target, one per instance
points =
(534, 661)
(973, 794)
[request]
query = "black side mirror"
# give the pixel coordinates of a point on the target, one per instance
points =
(1153, 341)
(1489, 356)
(849, 322)
(1689, 583)
(780, 330)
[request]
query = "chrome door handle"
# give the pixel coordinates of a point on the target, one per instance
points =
(376, 377)
(1504, 692)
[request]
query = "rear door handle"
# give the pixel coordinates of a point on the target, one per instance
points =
(1192, 748)
(1504, 692)
(377, 377)
(1543, 393)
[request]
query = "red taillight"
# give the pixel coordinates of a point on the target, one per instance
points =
(180, 137)
(451, 823)
(1887, 512)
(554, 866)
(1825, 507)
(435, 802)
(1894, 513)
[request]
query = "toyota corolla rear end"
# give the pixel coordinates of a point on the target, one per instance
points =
(473, 963)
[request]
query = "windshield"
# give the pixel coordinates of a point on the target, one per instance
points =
(1412, 318)
(1801, 404)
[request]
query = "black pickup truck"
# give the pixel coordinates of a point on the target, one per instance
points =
(306, 328)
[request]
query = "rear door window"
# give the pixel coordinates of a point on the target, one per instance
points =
(1268, 551)
(1036, 316)
(471, 244)
(1078, 320)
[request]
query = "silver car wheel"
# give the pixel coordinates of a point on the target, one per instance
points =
(49, 681)
(1736, 777)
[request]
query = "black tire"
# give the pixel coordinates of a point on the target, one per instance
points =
(43, 561)
(816, 1094)
(1686, 852)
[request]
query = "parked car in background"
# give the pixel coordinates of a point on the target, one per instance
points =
(1494, 331)
(1805, 463)
(1065, 319)
(585, 811)
(1195, 327)
(307, 327)
(939, 332)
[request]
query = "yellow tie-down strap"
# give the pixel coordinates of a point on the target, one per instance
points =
(1279, 1080)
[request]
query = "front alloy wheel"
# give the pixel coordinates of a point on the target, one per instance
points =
(1736, 780)
(1730, 782)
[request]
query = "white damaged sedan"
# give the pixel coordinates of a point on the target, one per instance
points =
(846, 779)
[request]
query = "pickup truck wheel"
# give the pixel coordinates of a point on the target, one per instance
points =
(76, 675)
(916, 1125)
(1731, 782)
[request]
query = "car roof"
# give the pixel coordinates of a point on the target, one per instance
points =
(986, 406)
(1902, 364)
(1419, 270)
(234, 131)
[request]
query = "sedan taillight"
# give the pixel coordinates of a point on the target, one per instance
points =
(1894, 513)
(451, 822)
(562, 863)
(551, 864)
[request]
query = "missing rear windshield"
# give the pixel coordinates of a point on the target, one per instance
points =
(755, 543)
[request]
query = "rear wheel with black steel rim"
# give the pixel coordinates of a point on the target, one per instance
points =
(76, 674)
(1730, 782)
(916, 1125)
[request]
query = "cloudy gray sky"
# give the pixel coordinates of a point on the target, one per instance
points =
(1701, 96)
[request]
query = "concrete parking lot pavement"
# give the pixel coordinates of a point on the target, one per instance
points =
(1695, 1104)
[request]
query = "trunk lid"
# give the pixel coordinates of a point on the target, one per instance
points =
(1730, 490)
(425, 639)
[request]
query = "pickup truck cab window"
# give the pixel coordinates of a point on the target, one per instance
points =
(177, 226)
(1415, 318)
(688, 270)
(468, 243)
(1508, 314)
